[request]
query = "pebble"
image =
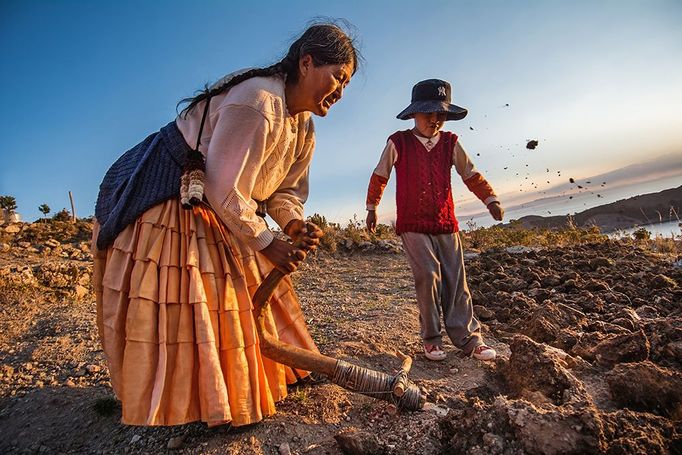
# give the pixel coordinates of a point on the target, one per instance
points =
(176, 442)
(135, 438)
(93, 368)
(284, 449)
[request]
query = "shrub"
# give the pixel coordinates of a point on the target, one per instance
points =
(62, 215)
(641, 234)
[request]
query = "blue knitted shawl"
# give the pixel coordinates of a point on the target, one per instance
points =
(142, 177)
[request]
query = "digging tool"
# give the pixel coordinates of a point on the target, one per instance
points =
(397, 389)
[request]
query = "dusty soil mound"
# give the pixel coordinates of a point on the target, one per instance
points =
(590, 343)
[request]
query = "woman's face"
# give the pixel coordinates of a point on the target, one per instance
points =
(322, 86)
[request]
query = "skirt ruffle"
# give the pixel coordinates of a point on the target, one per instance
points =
(174, 314)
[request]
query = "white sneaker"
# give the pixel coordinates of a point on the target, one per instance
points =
(483, 352)
(434, 352)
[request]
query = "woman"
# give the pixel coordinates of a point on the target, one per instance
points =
(174, 286)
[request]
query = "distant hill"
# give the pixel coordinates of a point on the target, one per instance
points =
(638, 210)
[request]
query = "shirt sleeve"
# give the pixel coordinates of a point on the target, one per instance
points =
(473, 179)
(381, 174)
(235, 155)
(286, 203)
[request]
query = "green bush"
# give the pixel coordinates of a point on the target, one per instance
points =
(641, 234)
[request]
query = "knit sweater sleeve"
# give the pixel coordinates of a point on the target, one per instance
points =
(381, 174)
(286, 203)
(238, 148)
(473, 179)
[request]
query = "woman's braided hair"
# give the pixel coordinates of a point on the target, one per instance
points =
(326, 43)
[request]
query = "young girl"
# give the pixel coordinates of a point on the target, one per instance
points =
(174, 286)
(423, 158)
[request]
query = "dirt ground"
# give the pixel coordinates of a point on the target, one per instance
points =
(589, 339)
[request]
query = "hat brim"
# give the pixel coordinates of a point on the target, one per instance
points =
(453, 112)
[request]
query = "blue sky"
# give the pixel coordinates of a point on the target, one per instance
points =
(598, 84)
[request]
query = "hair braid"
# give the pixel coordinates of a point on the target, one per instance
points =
(210, 92)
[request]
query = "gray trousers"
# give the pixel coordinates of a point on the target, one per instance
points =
(437, 263)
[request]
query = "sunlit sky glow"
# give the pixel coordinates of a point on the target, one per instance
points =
(598, 84)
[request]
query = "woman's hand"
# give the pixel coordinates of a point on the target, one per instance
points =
(308, 234)
(285, 256)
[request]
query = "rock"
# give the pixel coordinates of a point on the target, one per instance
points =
(13, 229)
(625, 323)
(135, 438)
(596, 285)
(613, 348)
(518, 249)
(540, 375)
(601, 262)
(494, 443)
(81, 291)
(365, 246)
(552, 324)
(284, 449)
(7, 371)
(176, 442)
(356, 442)
(93, 369)
(4, 248)
(483, 313)
(646, 387)
(647, 312)
(662, 282)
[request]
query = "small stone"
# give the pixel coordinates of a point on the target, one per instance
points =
(69, 383)
(81, 291)
(483, 313)
(284, 449)
(176, 442)
(93, 368)
(135, 438)
(12, 229)
(347, 418)
(28, 366)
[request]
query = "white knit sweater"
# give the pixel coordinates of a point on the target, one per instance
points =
(254, 150)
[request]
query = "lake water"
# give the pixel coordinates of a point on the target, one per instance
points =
(669, 229)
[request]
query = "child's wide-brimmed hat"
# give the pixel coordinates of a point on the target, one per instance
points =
(432, 95)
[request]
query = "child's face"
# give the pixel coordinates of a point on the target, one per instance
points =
(428, 124)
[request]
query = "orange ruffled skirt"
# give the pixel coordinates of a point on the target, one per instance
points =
(174, 314)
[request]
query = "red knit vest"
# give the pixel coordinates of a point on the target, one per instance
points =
(423, 184)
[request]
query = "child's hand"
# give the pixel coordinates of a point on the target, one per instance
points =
(496, 210)
(371, 221)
